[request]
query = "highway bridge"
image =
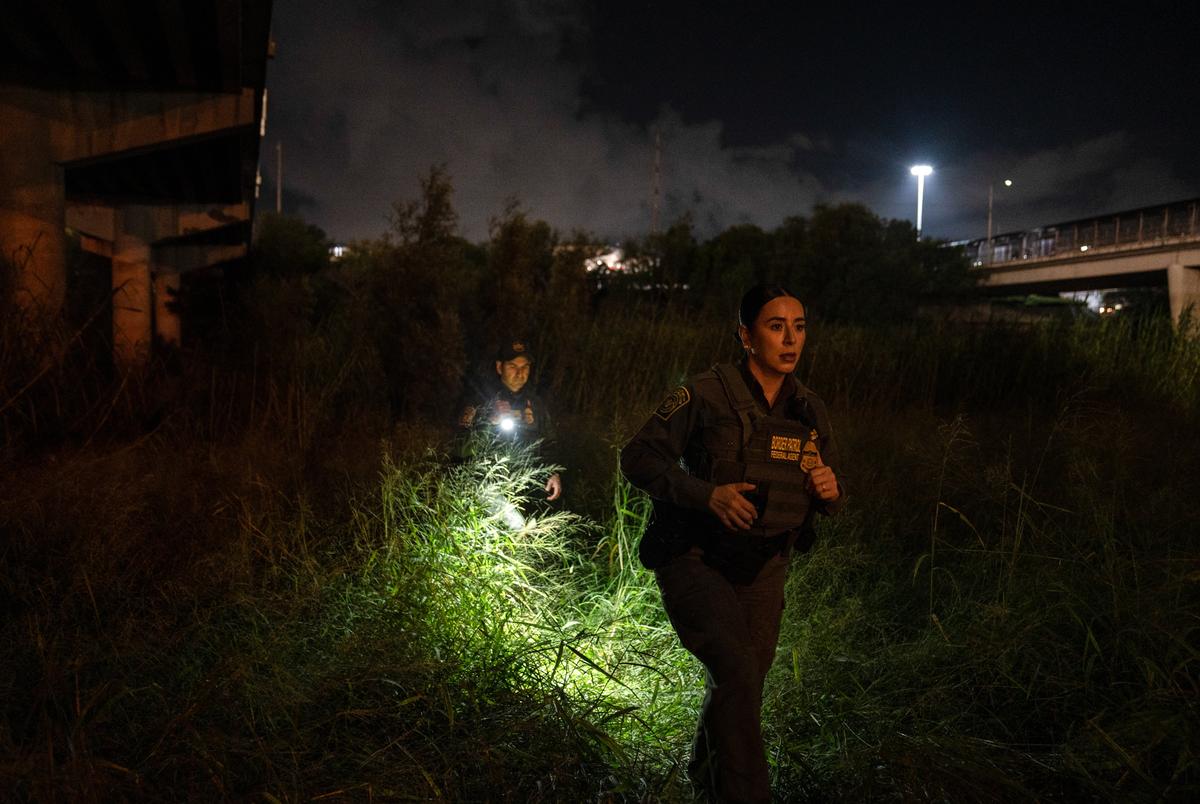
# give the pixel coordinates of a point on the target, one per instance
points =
(134, 127)
(1151, 246)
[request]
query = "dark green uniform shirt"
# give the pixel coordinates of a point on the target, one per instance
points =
(667, 458)
(526, 410)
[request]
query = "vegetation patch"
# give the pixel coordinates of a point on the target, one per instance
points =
(261, 573)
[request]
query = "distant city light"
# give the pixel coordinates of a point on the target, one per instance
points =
(610, 260)
(1008, 182)
(1083, 248)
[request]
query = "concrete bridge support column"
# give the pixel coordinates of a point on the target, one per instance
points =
(1183, 290)
(32, 204)
(131, 300)
(166, 320)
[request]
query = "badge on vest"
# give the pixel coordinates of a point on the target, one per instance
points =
(678, 398)
(811, 455)
(798, 450)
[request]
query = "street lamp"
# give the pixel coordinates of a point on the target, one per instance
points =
(1007, 183)
(920, 171)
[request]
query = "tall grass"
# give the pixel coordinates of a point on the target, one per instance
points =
(995, 618)
(419, 644)
(1135, 361)
(629, 356)
(517, 605)
(279, 594)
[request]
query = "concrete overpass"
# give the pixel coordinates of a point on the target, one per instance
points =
(134, 127)
(1152, 246)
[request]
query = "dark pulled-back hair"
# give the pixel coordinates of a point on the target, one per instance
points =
(754, 299)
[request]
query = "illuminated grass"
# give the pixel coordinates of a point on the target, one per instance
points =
(517, 602)
(1007, 611)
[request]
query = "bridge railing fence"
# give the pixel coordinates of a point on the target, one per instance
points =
(1142, 228)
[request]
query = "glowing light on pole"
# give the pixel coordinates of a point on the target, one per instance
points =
(920, 171)
(1007, 183)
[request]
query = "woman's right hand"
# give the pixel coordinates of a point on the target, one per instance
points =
(734, 510)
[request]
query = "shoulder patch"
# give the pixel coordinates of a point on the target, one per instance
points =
(676, 400)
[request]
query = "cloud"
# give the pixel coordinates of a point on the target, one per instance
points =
(367, 103)
(1096, 176)
(367, 96)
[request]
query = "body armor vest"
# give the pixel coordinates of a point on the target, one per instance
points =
(771, 452)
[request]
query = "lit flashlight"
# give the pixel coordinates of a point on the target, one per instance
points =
(507, 424)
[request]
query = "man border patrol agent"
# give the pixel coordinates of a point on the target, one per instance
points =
(512, 407)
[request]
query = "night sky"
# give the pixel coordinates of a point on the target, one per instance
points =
(763, 110)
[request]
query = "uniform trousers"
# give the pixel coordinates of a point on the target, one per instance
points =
(733, 630)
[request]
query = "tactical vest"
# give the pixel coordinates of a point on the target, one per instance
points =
(771, 452)
(523, 424)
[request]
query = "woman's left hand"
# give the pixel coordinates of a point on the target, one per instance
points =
(822, 483)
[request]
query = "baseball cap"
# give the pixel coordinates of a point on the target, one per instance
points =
(514, 349)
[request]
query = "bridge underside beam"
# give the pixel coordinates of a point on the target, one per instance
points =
(1140, 279)
(1090, 266)
(169, 221)
(111, 148)
(1177, 268)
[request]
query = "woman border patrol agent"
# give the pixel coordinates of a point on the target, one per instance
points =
(737, 461)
